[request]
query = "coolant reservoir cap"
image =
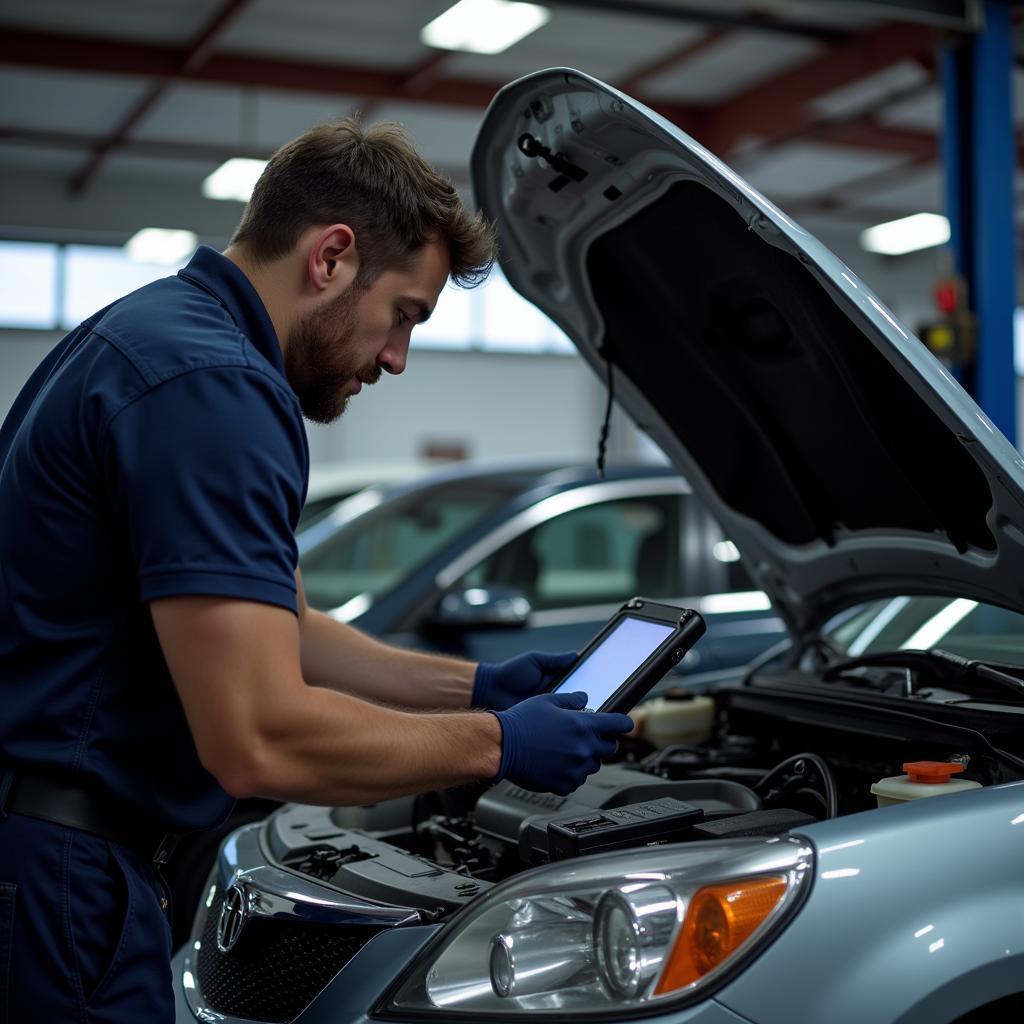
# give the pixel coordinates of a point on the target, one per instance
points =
(932, 773)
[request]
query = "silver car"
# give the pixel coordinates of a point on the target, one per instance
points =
(747, 875)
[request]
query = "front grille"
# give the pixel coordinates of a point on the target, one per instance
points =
(278, 967)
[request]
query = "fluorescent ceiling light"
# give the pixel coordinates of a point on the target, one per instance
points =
(234, 179)
(160, 245)
(484, 26)
(894, 238)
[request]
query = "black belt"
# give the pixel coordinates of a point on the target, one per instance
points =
(73, 806)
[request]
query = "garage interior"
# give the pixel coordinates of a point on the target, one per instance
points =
(846, 115)
(839, 527)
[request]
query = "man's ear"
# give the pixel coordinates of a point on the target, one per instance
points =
(333, 259)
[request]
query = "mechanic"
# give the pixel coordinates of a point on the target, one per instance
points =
(157, 656)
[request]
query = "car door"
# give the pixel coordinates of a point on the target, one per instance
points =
(576, 567)
(578, 564)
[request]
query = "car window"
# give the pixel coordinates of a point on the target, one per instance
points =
(373, 552)
(602, 553)
(959, 625)
(316, 508)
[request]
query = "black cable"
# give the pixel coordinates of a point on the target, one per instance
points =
(829, 782)
(602, 442)
(654, 760)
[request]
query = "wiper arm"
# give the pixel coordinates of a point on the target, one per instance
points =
(940, 663)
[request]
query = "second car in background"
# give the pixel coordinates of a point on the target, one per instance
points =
(487, 561)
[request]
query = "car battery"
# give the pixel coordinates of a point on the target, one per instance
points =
(647, 823)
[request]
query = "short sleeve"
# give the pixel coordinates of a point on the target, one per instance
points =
(207, 473)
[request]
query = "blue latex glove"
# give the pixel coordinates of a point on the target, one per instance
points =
(550, 745)
(499, 686)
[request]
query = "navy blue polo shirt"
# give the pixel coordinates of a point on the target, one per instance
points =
(158, 451)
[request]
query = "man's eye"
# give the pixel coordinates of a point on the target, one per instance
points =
(403, 317)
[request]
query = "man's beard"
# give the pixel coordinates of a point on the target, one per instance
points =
(320, 361)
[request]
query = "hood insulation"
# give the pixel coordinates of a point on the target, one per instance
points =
(798, 420)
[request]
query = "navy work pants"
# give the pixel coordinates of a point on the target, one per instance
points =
(83, 937)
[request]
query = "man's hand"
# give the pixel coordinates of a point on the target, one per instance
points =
(550, 744)
(500, 686)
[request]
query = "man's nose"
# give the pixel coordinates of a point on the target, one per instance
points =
(394, 356)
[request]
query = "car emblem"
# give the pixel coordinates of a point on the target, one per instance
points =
(233, 915)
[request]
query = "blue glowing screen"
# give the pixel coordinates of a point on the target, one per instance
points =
(623, 651)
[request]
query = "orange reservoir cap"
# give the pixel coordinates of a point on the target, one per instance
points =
(932, 773)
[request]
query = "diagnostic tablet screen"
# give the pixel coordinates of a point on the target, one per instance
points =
(607, 667)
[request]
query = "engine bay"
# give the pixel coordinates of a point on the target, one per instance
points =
(779, 758)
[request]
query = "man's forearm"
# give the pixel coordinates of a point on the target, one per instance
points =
(339, 657)
(329, 748)
(261, 728)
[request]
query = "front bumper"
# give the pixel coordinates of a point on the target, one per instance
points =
(324, 977)
(349, 997)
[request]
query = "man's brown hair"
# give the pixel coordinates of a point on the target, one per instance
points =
(373, 180)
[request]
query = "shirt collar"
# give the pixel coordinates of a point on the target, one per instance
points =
(227, 283)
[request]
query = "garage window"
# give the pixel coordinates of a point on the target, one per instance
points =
(28, 284)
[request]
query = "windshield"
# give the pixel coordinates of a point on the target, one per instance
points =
(373, 552)
(961, 626)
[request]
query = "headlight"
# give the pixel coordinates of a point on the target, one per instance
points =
(609, 932)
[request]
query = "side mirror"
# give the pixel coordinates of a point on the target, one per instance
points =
(482, 608)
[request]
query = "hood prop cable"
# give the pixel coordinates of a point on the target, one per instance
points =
(602, 441)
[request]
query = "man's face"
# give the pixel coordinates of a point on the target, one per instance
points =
(352, 339)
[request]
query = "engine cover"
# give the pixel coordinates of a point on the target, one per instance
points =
(506, 810)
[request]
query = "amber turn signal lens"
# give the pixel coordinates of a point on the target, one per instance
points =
(719, 919)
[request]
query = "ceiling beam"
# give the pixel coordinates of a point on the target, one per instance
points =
(776, 110)
(847, 126)
(136, 59)
(422, 76)
(145, 60)
(867, 133)
(194, 56)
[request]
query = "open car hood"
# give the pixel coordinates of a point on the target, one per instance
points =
(837, 452)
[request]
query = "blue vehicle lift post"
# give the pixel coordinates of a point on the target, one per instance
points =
(979, 156)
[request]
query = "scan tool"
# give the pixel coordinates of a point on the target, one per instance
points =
(640, 643)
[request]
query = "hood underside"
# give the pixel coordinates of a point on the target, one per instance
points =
(838, 453)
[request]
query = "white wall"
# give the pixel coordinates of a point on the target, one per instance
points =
(491, 404)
